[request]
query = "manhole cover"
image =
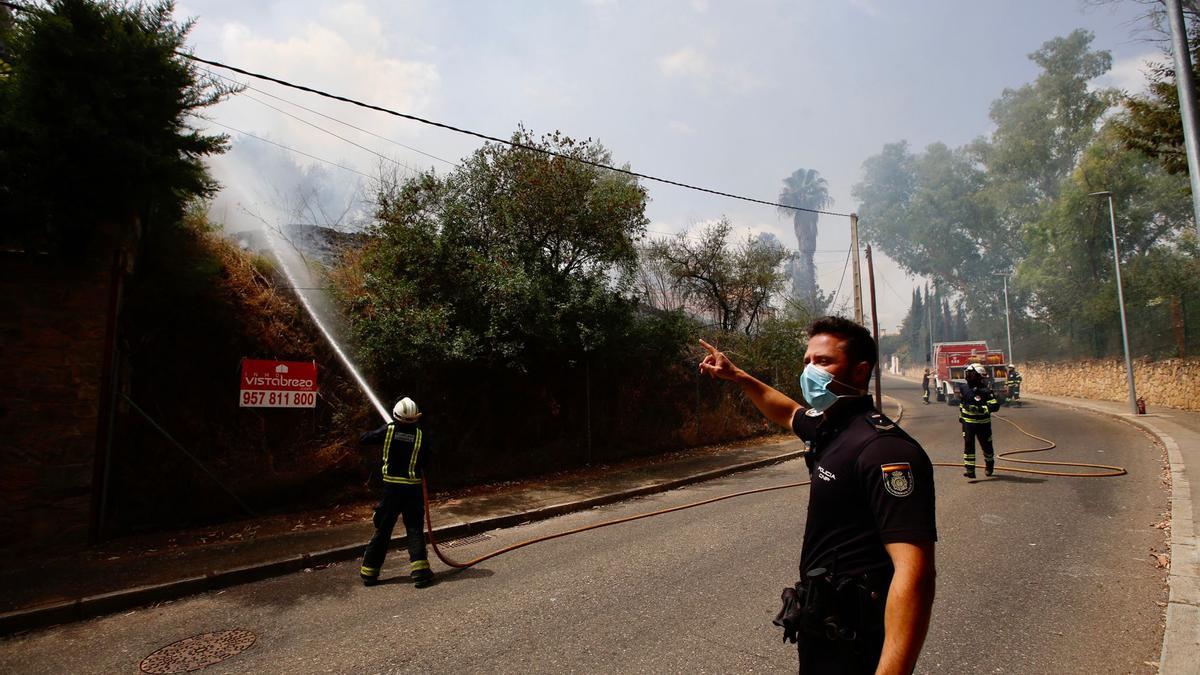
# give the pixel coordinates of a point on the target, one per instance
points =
(198, 651)
(467, 541)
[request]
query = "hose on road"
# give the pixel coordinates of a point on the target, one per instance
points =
(1105, 471)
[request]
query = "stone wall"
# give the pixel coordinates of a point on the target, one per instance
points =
(1174, 383)
(53, 323)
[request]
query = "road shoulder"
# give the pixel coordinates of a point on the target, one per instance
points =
(1179, 432)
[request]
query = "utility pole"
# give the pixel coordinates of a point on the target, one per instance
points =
(1185, 83)
(1007, 326)
(1112, 219)
(858, 304)
(929, 320)
(875, 331)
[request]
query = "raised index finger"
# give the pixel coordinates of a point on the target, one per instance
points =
(711, 349)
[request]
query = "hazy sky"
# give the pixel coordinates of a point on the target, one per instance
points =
(728, 95)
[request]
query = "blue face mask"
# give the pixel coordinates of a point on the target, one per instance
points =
(814, 384)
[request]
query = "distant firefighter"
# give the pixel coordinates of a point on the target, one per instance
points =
(976, 404)
(1014, 383)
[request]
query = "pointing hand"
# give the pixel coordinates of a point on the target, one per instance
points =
(716, 364)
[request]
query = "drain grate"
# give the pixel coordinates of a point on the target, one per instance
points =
(198, 651)
(467, 541)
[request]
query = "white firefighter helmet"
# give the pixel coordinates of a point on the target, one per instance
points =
(978, 368)
(406, 410)
(1012, 366)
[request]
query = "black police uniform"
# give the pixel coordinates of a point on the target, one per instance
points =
(405, 454)
(975, 408)
(872, 484)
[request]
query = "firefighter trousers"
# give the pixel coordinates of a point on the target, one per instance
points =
(983, 432)
(399, 501)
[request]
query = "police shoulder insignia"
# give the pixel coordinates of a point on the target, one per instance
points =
(898, 478)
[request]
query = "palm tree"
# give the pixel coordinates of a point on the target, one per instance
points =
(805, 189)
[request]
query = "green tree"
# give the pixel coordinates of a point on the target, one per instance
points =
(513, 258)
(733, 284)
(1069, 271)
(805, 188)
(1153, 124)
(959, 216)
(94, 108)
(1042, 128)
(925, 213)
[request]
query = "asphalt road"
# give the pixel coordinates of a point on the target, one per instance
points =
(1036, 575)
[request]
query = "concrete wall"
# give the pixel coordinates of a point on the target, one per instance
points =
(53, 323)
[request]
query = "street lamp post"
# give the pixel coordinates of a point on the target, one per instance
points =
(1007, 325)
(1112, 219)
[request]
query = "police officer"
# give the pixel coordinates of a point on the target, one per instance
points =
(404, 457)
(925, 387)
(867, 559)
(976, 403)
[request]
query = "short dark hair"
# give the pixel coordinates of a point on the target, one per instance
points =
(860, 346)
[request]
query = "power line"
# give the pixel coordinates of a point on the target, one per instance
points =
(290, 149)
(324, 130)
(328, 117)
(846, 264)
(889, 287)
(483, 136)
(494, 139)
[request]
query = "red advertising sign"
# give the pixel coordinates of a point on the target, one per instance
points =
(278, 384)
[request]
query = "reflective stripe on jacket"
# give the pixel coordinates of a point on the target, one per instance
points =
(976, 412)
(402, 455)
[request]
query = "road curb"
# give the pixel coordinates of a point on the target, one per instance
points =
(87, 607)
(1181, 637)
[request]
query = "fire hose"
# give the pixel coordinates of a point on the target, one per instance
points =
(1103, 471)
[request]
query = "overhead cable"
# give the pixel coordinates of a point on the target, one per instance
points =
(494, 139)
(337, 136)
(486, 137)
(843, 279)
(290, 149)
(329, 117)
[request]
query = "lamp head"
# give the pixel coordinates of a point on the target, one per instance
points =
(1104, 193)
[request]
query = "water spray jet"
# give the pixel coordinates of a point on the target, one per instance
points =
(329, 336)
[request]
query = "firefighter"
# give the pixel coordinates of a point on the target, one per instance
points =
(1014, 383)
(404, 459)
(925, 387)
(976, 404)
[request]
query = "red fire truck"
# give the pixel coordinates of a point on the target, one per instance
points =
(951, 358)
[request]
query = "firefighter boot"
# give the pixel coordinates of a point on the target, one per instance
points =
(989, 467)
(969, 471)
(369, 575)
(422, 576)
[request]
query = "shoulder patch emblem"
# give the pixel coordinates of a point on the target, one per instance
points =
(898, 478)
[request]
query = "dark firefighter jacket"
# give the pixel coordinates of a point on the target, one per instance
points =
(404, 454)
(975, 406)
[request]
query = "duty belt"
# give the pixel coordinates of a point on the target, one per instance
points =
(826, 607)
